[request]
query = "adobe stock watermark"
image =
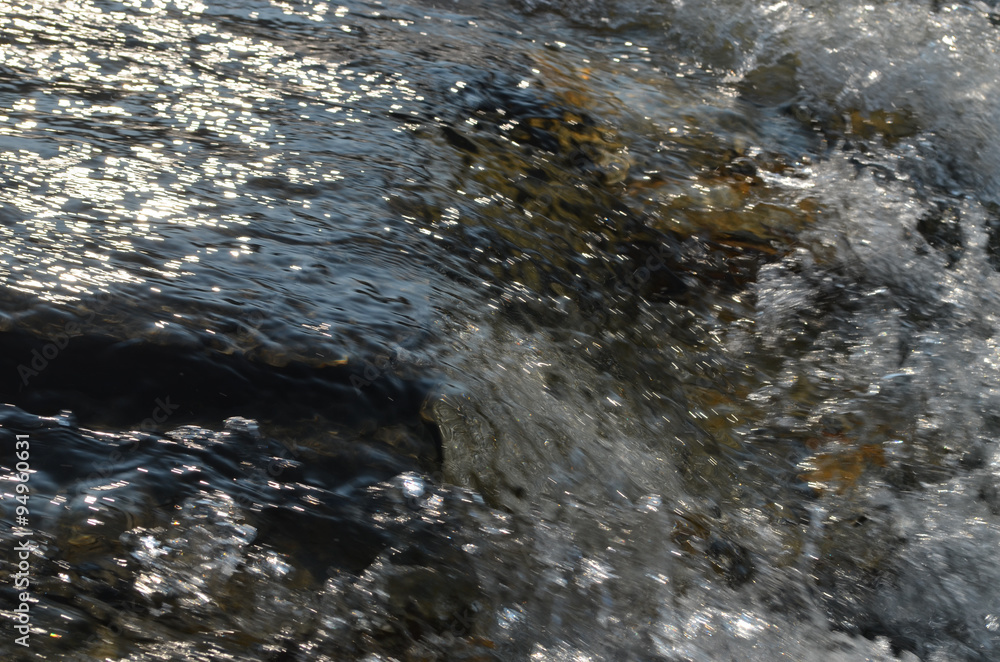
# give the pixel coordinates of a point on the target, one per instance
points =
(162, 410)
(42, 357)
(656, 259)
(276, 464)
(381, 366)
(23, 550)
(248, 429)
(248, 326)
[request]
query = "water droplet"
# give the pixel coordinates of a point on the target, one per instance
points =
(413, 486)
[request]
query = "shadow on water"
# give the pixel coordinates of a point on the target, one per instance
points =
(343, 429)
(112, 382)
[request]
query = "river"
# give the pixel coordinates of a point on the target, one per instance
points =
(543, 330)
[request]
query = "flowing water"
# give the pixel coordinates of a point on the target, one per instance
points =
(548, 330)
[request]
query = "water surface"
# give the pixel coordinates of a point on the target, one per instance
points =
(503, 331)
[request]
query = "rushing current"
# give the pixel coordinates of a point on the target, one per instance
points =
(542, 330)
